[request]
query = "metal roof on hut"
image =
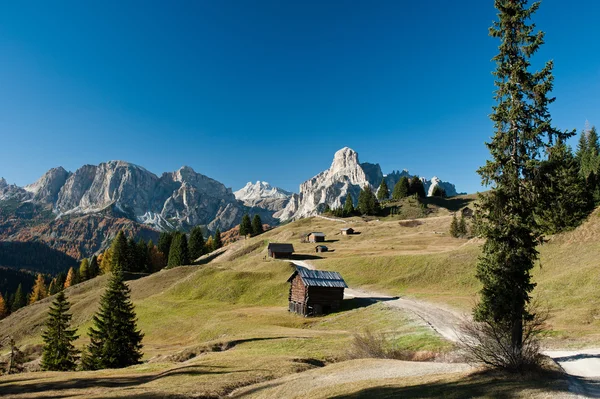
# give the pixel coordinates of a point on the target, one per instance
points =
(318, 278)
(280, 247)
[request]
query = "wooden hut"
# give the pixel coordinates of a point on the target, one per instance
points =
(315, 292)
(467, 212)
(278, 251)
(321, 248)
(347, 231)
(316, 236)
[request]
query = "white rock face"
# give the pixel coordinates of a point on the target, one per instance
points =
(179, 199)
(12, 191)
(345, 176)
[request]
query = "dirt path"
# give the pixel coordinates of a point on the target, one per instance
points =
(582, 366)
(442, 320)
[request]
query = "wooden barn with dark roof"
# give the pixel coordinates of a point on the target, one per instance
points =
(279, 250)
(315, 292)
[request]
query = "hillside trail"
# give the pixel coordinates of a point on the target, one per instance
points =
(581, 366)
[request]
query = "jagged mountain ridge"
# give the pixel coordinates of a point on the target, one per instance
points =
(345, 175)
(261, 195)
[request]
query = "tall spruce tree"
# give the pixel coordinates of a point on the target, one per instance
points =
(454, 229)
(257, 226)
(164, 243)
(120, 255)
(522, 132)
(245, 226)
(383, 192)
(133, 257)
(401, 189)
(349, 205)
(143, 257)
(19, 300)
(367, 202)
(58, 352)
(179, 253)
(197, 244)
(115, 340)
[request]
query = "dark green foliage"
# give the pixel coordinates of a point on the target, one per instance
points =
(401, 189)
(133, 261)
(454, 230)
(588, 160)
(164, 243)
(438, 192)
(522, 131)
(11, 278)
(565, 199)
(383, 192)
(35, 257)
(349, 205)
(84, 267)
(416, 187)
(120, 253)
(197, 244)
(58, 353)
(367, 203)
(179, 253)
(60, 281)
(19, 300)
(257, 226)
(217, 241)
(143, 257)
(94, 268)
(115, 341)
(245, 226)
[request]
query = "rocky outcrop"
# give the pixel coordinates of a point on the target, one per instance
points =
(345, 176)
(46, 189)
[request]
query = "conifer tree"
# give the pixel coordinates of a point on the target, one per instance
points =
(179, 253)
(522, 132)
(59, 284)
(367, 203)
(257, 226)
(38, 292)
(70, 280)
(383, 192)
(164, 243)
(133, 259)
(245, 226)
(94, 268)
(3, 307)
(416, 187)
(401, 189)
(143, 256)
(19, 301)
(217, 241)
(197, 244)
(52, 287)
(565, 199)
(115, 340)
(349, 205)
(58, 353)
(84, 268)
(438, 192)
(454, 229)
(119, 251)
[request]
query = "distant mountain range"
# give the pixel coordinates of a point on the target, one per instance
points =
(78, 213)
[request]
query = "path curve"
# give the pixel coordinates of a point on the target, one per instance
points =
(581, 366)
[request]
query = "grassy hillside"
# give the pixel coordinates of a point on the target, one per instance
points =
(215, 327)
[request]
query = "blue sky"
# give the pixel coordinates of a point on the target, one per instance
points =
(248, 90)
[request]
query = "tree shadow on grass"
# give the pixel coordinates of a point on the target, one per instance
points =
(453, 204)
(485, 384)
(357, 303)
(92, 381)
(304, 257)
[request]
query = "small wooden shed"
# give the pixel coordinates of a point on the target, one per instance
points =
(315, 292)
(347, 231)
(316, 236)
(321, 248)
(280, 250)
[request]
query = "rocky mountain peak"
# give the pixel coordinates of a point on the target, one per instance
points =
(260, 190)
(48, 186)
(346, 158)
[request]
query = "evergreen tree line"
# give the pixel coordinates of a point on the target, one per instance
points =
(179, 250)
(115, 340)
(458, 228)
(406, 187)
(367, 204)
(252, 227)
